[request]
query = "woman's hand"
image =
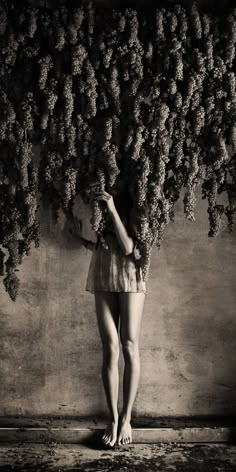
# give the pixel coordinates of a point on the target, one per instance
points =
(107, 198)
(76, 231)
(77, 225)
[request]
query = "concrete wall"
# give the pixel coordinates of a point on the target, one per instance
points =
(50, 350)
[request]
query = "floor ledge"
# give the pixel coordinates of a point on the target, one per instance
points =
(72, 430)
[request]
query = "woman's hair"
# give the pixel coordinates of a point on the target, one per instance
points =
(87, 186)
(89, 183)
(124, 200)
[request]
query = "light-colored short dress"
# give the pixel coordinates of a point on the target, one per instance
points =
(111, 270)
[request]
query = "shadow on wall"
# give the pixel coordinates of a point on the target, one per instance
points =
(192, 283)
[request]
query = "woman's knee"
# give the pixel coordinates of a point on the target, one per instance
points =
(111, 351)
(130, 348)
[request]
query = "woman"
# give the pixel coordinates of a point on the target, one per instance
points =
(119, 290)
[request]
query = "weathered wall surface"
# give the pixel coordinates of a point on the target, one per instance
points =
(50, 351)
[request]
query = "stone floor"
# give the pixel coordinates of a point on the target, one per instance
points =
(91, 457)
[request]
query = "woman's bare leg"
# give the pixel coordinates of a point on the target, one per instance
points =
(131, 310)
(107, 310)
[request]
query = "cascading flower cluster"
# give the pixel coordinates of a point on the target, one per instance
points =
(151, 94)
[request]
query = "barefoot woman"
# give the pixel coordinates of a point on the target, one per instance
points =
(119, 290)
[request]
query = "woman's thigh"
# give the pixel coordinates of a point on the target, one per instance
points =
(131, 312)
(107, 311)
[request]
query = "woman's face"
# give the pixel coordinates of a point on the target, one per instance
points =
(88, 192)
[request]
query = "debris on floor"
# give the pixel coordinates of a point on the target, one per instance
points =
(171, 457)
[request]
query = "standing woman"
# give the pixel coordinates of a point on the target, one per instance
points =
(119, 290)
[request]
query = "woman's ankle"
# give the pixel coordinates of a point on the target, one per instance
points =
(114, 418)
(125, 416)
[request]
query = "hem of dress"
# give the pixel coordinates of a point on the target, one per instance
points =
(115, 291)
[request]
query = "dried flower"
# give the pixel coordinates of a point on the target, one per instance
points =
(79, 54)
(46, 64)
(196, 22)
(68, 101)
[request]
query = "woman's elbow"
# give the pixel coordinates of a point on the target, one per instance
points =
(129, 249)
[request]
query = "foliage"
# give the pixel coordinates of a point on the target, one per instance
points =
(114, 92)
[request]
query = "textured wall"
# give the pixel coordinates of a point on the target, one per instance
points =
(50, 351)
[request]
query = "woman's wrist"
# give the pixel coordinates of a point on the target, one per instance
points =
(110, 204)
(89, 244)
(111, 208)
(83, 241)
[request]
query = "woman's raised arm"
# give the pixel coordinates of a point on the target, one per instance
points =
(125, 241)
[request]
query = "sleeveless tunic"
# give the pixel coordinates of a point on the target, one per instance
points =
(111, 270)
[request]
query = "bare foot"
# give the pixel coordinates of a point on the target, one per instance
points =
(110, 434)
(124, 431)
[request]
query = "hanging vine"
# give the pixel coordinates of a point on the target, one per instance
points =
(149, 94)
